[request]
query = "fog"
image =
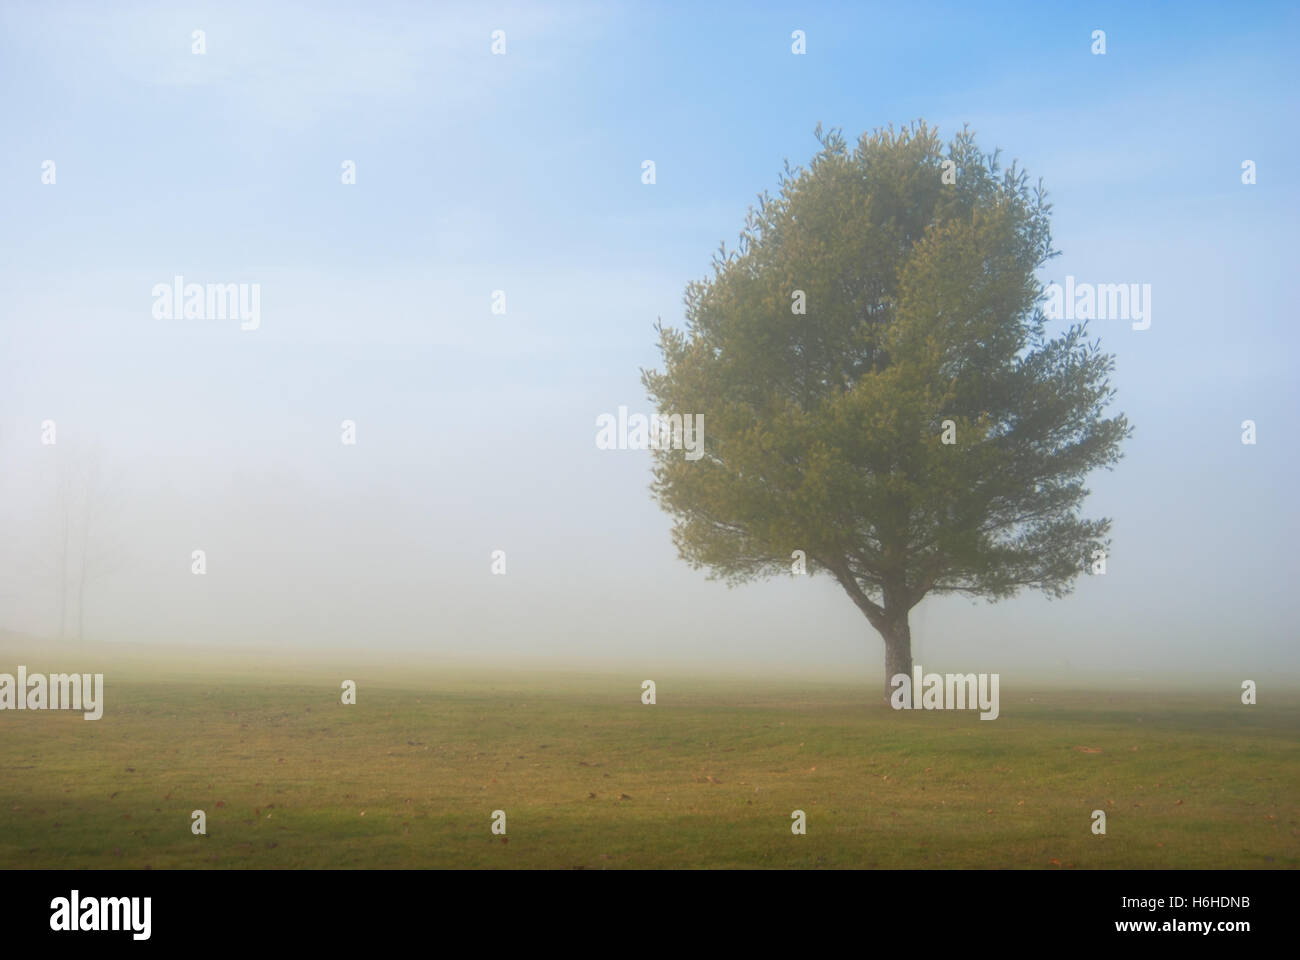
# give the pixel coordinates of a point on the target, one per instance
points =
(475, 431)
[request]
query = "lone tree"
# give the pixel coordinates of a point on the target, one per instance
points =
(880, 391)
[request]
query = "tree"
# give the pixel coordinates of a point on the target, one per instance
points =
(880, 391)
(96, 557)
(84, 499)
(64, 505)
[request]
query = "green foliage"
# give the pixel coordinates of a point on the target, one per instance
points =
(822, 432)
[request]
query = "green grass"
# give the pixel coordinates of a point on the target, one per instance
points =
(589, 777)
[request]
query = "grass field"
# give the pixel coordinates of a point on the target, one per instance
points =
(591, 778)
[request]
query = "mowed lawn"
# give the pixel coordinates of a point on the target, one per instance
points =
(591, 778)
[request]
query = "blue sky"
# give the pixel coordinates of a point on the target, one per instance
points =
(522, 172)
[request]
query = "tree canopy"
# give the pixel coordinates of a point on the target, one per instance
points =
(880, 389)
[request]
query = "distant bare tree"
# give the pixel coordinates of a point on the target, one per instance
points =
(86, 503)
(63, 492)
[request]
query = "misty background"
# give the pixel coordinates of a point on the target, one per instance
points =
(476, 432)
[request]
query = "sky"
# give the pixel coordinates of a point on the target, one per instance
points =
(522, 172)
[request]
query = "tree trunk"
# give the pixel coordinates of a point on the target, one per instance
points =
(63, 555)
(898, 651)
(87, 518)
(81, 606)
(889, 619)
